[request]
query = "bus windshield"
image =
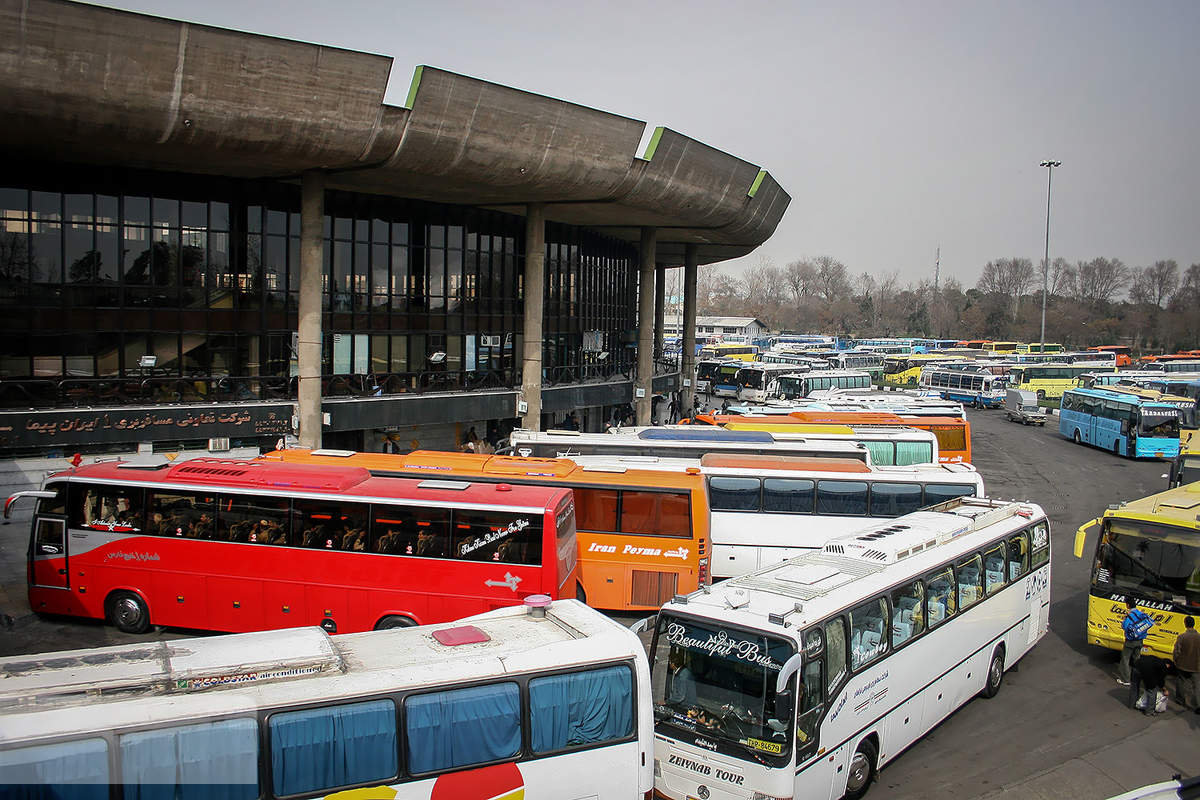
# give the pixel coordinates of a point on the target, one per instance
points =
(1159, 422)
(1152, 561)
(789, 386)
(720, 683)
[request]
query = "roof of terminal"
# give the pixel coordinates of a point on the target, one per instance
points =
(117, 88)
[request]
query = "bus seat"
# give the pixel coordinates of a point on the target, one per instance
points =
(901, 630)
(995, 579)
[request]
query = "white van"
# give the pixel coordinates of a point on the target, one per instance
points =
(1021, 406)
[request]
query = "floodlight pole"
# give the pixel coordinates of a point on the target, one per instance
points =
(1049, 165)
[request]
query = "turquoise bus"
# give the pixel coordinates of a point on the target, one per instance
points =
(1125, 424)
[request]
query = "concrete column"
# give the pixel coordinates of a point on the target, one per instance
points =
(308, 356)
(645, 350)
(535, 281)
(688, 365)
(660, 298)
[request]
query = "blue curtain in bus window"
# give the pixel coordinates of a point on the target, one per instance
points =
(70, 771)
(842, 497)
(323, 748)
(883, 454)
(912, 453)
(214, 759)
(465, 726)
(580, 708)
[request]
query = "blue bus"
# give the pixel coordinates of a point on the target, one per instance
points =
(1125, 424)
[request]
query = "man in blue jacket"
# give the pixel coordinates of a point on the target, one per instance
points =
(1136, 625)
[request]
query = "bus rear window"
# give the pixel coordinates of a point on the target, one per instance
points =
(656, 513)
(950, 437)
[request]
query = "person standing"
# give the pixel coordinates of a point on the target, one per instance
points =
(1136, 625)
(1187, 663)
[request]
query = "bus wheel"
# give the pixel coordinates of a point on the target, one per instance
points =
(1076, 437)
(128, 612)
(580, 593)
(394, 621)
(1117, 447)
(995, 675)
(862, 771)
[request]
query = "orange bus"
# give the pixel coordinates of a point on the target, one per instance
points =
(1123, 353)
(953, 433)
(643, 534)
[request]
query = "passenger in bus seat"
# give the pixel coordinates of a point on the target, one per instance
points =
(314, 536)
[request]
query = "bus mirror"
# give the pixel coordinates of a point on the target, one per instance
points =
(783, 710)
(1081, 535)
(790, 668)
(44, 494)
(643, 625)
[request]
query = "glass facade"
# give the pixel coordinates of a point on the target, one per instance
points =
(112, 275)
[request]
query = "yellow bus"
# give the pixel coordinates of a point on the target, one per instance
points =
(1004, 347)
(905, 370)
(1048, 347)
(1049, 381)
(1147, 550)
(729, 350)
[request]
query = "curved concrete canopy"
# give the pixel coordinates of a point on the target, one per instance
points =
(90, 84)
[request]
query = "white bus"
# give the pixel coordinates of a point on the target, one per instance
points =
(977, 388)
(888, 402)
(790, 387)
(681, 441)
(798, 360)
(757, 381)
(767, 509)
(880, 445)
(515, 702)
(803, 679)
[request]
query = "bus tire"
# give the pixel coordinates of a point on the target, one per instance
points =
(392, 621)
(127, 612)
(995, 675)
(1076, 438)
(580, 593)
(1117, 447)
(862, 770)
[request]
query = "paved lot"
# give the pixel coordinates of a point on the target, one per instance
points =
(1059, 727)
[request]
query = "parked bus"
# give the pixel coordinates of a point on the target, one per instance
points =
(798, 361)
(788, 387)
(727, 350)
(643, 536)
(888, 445)
(953, 434)
(869, 362)
(805, 678)
(906, 370)
(767, 509)
(1190, 364)
(1048, 347)
(1090, 380)
(757, 381)
(724, 382)
(1049, 381)
(705, 372)
(1125, 424)
(1003, 347)
(1123, 352)
(228, 545)
(1147, 550)
(501, 705)
(676, 441)
(979, 389)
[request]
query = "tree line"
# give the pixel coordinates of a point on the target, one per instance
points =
(1100, 301)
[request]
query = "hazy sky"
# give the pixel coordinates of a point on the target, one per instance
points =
(895, 126)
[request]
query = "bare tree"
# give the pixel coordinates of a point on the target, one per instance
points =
(1063, 278)
(1100, 280)
(1009, 277)
(832, 280)
(1155, 284)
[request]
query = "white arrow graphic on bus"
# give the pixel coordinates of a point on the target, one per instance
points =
(510, 581)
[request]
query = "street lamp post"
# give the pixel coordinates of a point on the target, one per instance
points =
(1049, 165)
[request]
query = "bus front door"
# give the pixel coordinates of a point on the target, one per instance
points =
(49, 555)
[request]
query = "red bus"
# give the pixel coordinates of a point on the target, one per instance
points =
(230, 545)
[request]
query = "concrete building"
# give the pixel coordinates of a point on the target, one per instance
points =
(211, 238)
(750, 328)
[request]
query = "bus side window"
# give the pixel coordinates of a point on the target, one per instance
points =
(325, 525)
(810, 702)
(842, 497)
(222, 756)
(255, 520)
(46, 765)
(894, 499)
(56, 504)
(788, 495)
(908, 612)
(460, 727)
(659, 513)
(596, 510)
(497, 536)
(868, 632)
(107, 508)
(940, 604)
(941, 492)
(835, 638)
(969, 573)
(993, 568)
(1039, 536)
(185, 514)
(333, 746)
(580, 708)
(734, 494)
(433, 531)
(1018, 555)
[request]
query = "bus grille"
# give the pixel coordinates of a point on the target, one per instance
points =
(653, 588)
